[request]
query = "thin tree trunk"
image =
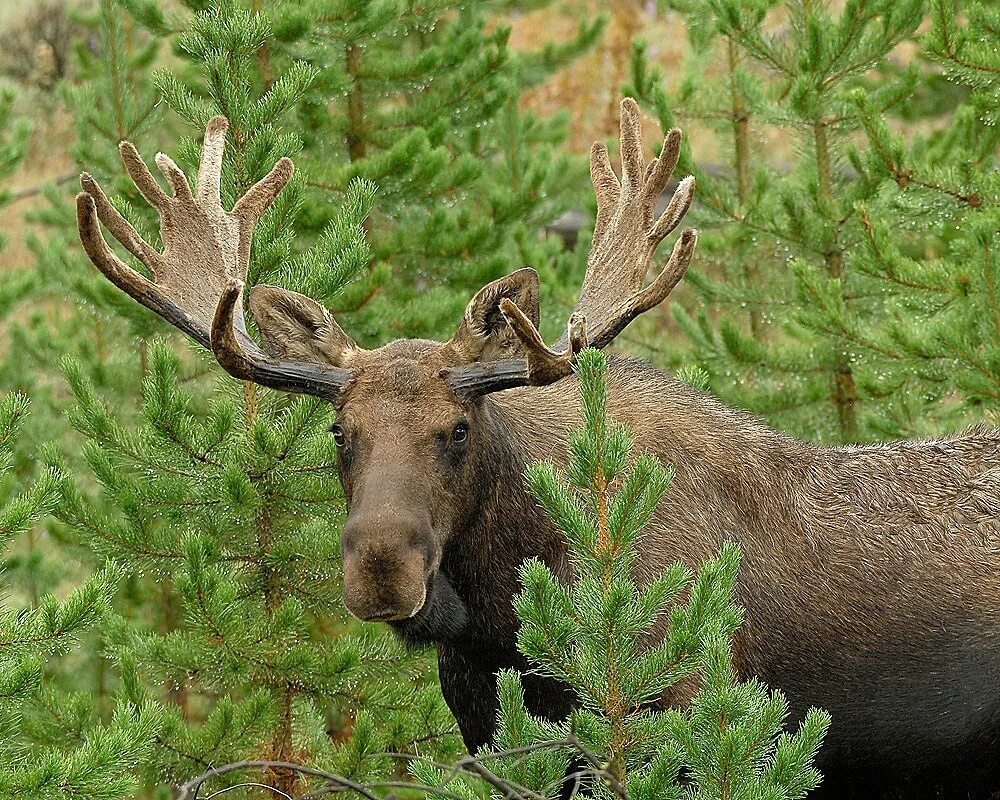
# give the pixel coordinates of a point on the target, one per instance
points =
(741, 165)
(357, 147)
(355, 106)
(845, 393)
(264, 53)
(626, 22)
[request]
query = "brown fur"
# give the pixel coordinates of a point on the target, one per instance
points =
(870, 576)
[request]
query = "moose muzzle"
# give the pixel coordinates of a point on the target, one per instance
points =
(386, 565)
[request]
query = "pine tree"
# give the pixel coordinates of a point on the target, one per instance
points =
(781, 259)
(224, 506)
(51, 744)
(67, 308)
(52, 741)
(730, 742)
(932, 240)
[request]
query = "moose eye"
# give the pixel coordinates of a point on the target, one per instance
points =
(460, 433)
(338, 435)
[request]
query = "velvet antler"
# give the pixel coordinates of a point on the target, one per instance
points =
(197, 281)
(626, 235)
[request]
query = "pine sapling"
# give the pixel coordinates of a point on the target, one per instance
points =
(52, 744)
(597, 636)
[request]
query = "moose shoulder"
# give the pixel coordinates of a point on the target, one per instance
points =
(870, 575)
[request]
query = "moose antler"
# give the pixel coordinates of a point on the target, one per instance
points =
(197, 281)
(626, 234)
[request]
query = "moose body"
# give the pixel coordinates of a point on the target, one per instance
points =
(870, 576)
(849, 579)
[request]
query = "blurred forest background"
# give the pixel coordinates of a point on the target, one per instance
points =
(845, 288)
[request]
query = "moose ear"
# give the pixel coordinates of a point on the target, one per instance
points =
(294, 327)
(484, 334)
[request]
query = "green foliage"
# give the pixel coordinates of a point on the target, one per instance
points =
(932, 241)
(99, 761)
(595, 634)
(775, 263)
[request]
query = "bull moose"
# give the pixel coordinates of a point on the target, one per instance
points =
(870, 576)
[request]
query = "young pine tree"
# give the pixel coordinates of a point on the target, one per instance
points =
(52, 745)
(781, 238)
(52, 741)
(592, 635)
(13, 141)
(932, 239)
(63, 305)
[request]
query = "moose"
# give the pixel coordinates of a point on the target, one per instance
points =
(870, 577)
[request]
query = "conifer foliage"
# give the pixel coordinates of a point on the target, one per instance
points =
(593, 634)
(14, 133)
(51, 744)
(932, 239)
(782, 236)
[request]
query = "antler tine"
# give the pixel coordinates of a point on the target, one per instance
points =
(120, 227)
(197, 281)
(606, 186)
(208, 187)
(626, 235)
(540, 366)
(240, 356)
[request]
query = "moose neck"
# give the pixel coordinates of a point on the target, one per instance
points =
(503, 527)
(731, 473)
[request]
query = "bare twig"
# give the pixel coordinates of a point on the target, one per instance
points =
(31, 191)
(471, 764)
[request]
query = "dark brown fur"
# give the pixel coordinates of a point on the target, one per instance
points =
(870, 575)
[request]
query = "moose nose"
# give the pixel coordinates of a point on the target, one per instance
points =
(385, 566)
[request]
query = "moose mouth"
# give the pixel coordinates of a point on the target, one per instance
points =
(442, 617)
(390, 615)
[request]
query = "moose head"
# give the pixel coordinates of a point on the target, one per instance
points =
(413, 429)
